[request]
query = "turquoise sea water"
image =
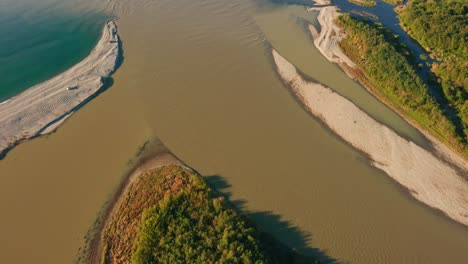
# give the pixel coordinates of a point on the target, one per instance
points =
(35, 47)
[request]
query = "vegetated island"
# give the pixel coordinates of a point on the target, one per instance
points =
(435, 177)
(43, 107)
(166, 213)
(394, 2)
(382, 64)
(387, 68)
(367, 3)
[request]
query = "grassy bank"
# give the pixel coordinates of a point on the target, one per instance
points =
(387, 67)
(170, 215)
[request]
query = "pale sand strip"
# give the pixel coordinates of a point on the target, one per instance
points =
(429, 179)
(328, 43)
(43, 107)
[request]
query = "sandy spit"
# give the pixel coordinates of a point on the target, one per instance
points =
(43, 107)
(429, 179)
(162, 159)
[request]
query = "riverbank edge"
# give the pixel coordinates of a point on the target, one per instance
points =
(334, 54)
(95, 81)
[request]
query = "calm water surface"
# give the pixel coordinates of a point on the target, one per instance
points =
(198, 76)
(36, 46)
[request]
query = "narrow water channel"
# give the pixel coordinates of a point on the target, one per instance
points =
(385, 13)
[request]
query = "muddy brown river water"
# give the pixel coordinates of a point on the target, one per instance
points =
(198, 76)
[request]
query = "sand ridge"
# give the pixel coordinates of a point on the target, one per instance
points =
(43, 107)
(328, 39)
(429, 179)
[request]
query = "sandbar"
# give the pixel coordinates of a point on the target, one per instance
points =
(429, 179)
(43, 107)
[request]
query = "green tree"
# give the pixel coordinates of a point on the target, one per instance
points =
(389, 69)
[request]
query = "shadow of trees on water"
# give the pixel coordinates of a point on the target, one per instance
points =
(282, 231)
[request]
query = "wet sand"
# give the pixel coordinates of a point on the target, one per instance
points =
(42, 108)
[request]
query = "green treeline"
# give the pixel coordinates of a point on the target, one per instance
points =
(193, 226)
(394, 2)
(442, 28)
(170, 215)
(368, 3)
(387, 67)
